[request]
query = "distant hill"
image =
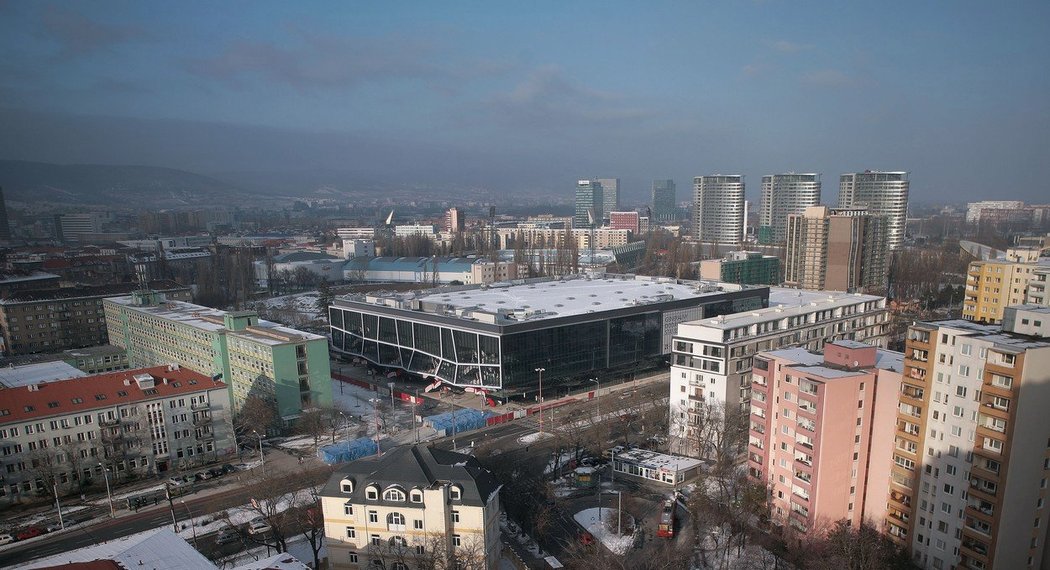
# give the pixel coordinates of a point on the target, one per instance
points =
(99, 184)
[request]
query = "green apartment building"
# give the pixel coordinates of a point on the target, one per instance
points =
(743, 268)
(254, 357)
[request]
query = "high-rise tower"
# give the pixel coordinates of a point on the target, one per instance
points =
(610, 197)
(663, 200)
(718, 203)
(588, 204)
(782, 196)
(883, 194)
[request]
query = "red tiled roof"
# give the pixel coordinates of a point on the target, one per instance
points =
(99, 391)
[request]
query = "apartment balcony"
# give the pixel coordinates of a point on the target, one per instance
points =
(109, 422)
(202, 421)
(982, 489)
(804, 477)
(807, 463)
(974, 549)
(200, 406)
(810, 409)
(979, 514)
(902, 499)
(901, 516)
(977, 529)
(756, 458)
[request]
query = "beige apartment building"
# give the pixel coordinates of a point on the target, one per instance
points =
(413, 507)
(836, 250)
(993, 285)
(972, 454)
(132, 423)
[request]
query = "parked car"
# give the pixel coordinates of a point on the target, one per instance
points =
(258, 526)
(53, 527)
(30, 532)
(227, 535)
(201, 476)
(229, 468)
(216, 472)
(6, 538)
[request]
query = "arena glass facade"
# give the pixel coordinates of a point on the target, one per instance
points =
(503, 357)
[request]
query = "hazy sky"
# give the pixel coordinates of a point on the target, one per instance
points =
(537, 94)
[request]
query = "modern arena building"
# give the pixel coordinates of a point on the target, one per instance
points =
(496, 337)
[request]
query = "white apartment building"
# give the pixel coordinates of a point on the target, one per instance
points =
(550, 238)
(974, 209)
(1036, 292)
(719, 212)
(428, 230)
(884, 194)
(974, 470)
(782, 196)
(711, 358)
(356, 233)
(143, 422)
(413, 507)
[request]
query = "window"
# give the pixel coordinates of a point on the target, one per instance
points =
(374, 539)
(455, 516)
(372, 493)
(455, 493)
(350, 532)
(417, 524)
(416, 496)
(348, 510)
(352, 557)
(394, 494)
(395, 521)
(373, 517)
(347, 486)
(456, 540)
(960, 391)
(420, 549)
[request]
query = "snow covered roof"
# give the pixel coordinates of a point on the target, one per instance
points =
(283, 561)
(157, 549)
(14, 376)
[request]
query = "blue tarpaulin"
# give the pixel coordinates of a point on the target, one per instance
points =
(465, 420)
(342, 452)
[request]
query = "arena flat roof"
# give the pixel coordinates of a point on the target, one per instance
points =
(549, 298)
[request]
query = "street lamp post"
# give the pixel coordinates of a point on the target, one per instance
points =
(347, 420)
(109, 495)
(262, 458)
(61, 522)
(192, 524)
(598, 397)
(540, 371)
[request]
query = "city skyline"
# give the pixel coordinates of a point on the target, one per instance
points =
(411, 94)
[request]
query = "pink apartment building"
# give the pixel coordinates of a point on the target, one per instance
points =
(822, 432)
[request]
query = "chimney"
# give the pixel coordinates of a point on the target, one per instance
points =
(165, 381)
(127, 382)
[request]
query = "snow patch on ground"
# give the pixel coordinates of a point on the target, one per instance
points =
(122, 496)
(534, 437)
(591, 519)
(215, 522)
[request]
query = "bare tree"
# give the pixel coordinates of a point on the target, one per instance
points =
(256, 417)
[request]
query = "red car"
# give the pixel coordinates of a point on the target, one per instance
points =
(586, 538)
(30, 532)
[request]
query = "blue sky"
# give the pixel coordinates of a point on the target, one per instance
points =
(534, 95)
